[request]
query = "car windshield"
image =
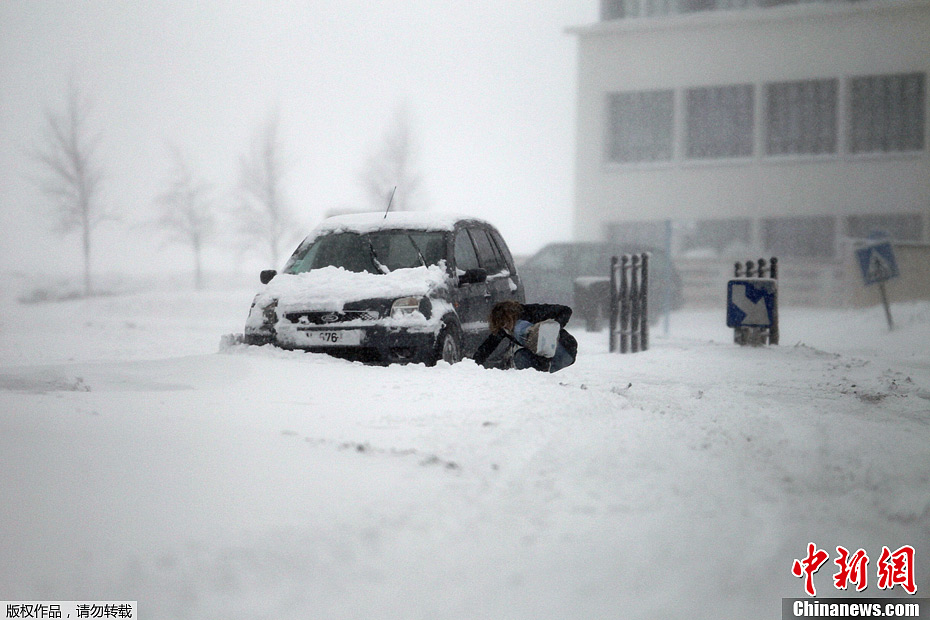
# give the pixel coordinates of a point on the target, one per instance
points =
(391, 249)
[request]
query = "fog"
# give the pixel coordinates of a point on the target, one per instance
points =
(488, 87)
(147, 452)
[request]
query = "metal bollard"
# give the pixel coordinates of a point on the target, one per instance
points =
(629, 292)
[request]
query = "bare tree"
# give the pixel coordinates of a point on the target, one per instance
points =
(265, 220)
(393, 165)
(71, 175)
(187, 211)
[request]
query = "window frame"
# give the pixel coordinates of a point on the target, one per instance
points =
(463, 231)
(901, 227)
(809, 119)
(811, 226)
(497, 264)
(498, 240)
(680, 137)
(866, 132)
(701, 140)
(626, 142)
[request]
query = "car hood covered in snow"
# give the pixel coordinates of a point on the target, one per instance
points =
(331, 288)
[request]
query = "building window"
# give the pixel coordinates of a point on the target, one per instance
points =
(807, 237)
(611, 9)
(713, 238)
(640, 126)
(619, 9)
(886, 113)
(720, 122)
(800, 117)
(639, 234)
(693, 6)
(900, 227)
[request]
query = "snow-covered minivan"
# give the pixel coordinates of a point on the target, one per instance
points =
(387, 288)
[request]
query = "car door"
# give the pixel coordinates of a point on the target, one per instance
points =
(516, 284)
(500, 286)
(472, 299)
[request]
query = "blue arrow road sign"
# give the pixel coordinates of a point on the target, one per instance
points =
(877, 263)
(751, 302)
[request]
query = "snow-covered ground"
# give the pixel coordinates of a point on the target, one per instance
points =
(138, 462)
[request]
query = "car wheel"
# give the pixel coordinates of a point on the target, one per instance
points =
(449, 347)
(257, 340)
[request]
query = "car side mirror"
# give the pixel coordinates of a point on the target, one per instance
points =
(473, 276)
(267, 275)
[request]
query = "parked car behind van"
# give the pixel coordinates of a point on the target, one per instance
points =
(401, 287)
(550, 276)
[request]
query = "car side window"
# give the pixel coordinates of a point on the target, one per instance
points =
(465, 257)
(502, 247)
(488, 254)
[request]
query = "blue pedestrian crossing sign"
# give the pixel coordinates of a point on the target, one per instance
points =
(877, 263)
(752, 302)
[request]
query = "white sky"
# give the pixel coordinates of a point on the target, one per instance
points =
(489, 86)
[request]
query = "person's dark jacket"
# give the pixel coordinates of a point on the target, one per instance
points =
(534, 313)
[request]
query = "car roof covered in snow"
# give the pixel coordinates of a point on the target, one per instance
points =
(410, 220)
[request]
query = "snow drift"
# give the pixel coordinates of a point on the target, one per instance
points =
(140, 464)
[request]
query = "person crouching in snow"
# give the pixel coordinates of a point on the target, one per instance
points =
(537, 332)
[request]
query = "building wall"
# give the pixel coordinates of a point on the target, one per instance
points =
(758, 46)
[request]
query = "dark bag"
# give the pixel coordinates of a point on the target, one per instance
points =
(568, 341)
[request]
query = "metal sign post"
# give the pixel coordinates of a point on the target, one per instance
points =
(884, 295)
(878, 265)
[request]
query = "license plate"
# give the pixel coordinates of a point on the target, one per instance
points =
(333, 338)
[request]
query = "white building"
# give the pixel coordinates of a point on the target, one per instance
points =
(756, 128)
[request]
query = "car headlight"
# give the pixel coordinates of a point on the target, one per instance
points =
(262, 318)
(270, 313)
(407, 306)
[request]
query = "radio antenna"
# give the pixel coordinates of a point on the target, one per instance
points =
(390, 201)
